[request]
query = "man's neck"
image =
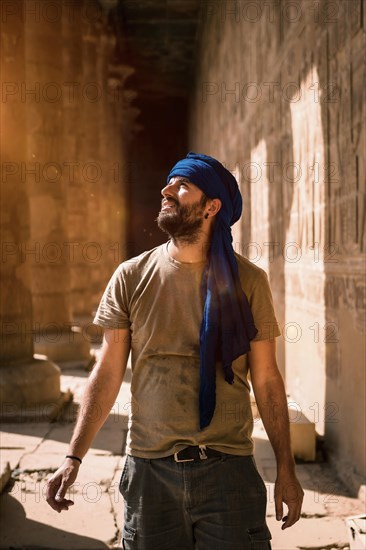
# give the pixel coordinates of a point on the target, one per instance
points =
(188, 253)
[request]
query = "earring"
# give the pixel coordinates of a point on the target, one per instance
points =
(206, 216)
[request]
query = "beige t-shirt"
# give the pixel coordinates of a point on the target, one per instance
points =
(160, 300)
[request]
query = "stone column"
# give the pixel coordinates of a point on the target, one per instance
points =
(47, 188)
(25, 382)
(76, 188)
(90, 158)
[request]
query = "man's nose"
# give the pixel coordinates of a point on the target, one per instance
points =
(168, 190)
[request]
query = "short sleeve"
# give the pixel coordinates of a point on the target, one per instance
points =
(113, 311)
(261, 304)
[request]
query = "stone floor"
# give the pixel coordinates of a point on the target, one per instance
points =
(35, 450)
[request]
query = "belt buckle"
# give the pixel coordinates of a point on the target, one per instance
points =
(202, 452)
(182, 459)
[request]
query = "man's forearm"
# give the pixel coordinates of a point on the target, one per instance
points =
(99, 396)
(269, 391)
(272, 405)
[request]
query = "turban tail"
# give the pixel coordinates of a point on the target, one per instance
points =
(227, 323)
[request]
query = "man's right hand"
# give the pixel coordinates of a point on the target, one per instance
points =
(100, 393)
(59, 483)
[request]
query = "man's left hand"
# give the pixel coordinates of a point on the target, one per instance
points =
(289, 491)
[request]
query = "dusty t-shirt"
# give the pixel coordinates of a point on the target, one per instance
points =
(159, 299)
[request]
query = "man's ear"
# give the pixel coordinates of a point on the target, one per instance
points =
(215, 205)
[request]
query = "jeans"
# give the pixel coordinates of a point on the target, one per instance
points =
(214, 504)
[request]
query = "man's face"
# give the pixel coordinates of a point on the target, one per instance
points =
(182, 210)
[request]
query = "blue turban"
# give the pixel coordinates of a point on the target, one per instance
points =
(227, 323)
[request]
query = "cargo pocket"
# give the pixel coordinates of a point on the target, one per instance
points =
(260, 538)
(124, 478)
(129, 536)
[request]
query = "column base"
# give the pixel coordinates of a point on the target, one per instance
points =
(41, 412)
(31, 391)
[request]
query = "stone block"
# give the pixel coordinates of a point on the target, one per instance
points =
(303, 437)
(302, 432)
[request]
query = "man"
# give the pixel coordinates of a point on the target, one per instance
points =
(197, 317)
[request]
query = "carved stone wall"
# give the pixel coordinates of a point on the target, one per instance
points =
(280, 99)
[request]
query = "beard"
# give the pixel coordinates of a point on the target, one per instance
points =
(182, 223)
